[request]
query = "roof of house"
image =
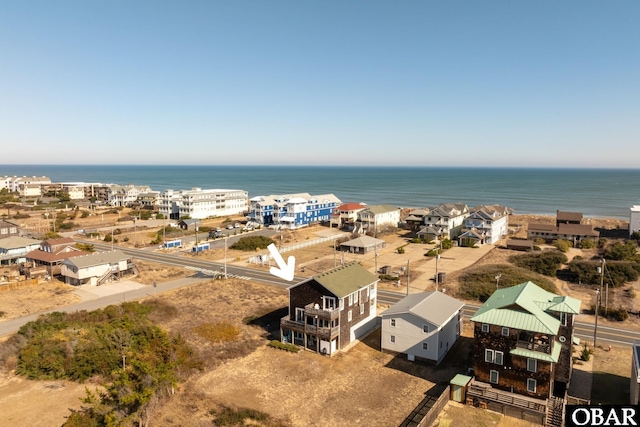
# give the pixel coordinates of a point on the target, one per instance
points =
(379, 209)
(448, 210)
(96, 258)
(60, 241)
(17, 242)
(490, 212)
(434, 307)
(547, 228)
(578, 230)
(526, 306)
(520, 243)
(190, 221)
(345, 280)
(363, 242)
(351, 207)
(568, 216)
(567, 229)
(473, 233)
(57, 255)
(4, 224)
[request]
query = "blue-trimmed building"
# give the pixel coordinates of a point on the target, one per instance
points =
(292, 210)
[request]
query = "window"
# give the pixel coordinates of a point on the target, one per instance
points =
(532, 365)
(505, 331)
(425, 329)
(393, 322)
(392, 338)
(494, 356)
(355, 297)
(341, 304)
(425, 346)
(329, 303)
(531, 385)
(485, 327)
(493, 377)
(361, 309)
(349, 316)
(350, 300)
(563, 319)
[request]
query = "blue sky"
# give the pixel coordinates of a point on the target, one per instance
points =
(433, 83)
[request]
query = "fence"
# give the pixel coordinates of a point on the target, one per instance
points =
(263, 259)
(19, 284)
(428, 409)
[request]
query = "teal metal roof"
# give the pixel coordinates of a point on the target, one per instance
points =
(461, 380)
(526, 306)
(545, 357)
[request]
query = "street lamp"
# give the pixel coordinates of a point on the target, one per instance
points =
(498, 276)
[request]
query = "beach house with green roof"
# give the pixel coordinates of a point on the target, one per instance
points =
(523, 338)
(331, 310)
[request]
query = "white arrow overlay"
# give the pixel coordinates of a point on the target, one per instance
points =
(286, 270)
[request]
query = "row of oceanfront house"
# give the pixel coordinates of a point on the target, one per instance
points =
(484, 224)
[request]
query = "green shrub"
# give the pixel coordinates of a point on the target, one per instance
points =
(546, 263)
(416, 240)
(284, 346)
(538, 241)
(478, 283)
(230, 417)
(433, 252)
(617, 273)
(446, 244)
(251, 243)
(388, 278)
(627, 251)
(585, 354)
(400, 250)
(587, 244)
(619, 314)
(562, 245)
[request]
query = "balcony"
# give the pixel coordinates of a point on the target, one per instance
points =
(537, 345)
(323, 333)
(328, 314)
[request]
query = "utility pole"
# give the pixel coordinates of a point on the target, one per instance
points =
(408, 275)
(225, 256)
(498, 276)
(595, 329)
(376, 261)
(437, 258)
(197, 241)
(601, 275)
(334, 254)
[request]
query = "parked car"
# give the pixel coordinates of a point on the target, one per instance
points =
(229, 227)
(215, 234)
(247, 228)
(236, 225)
(218, 229)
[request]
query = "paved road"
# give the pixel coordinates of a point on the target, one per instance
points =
(12, 326)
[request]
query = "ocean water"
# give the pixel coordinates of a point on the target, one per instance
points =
(594, 192)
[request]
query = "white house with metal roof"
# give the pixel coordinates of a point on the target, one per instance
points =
(96, 268)
(423, 326)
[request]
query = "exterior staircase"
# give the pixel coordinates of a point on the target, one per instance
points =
(555, 412)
